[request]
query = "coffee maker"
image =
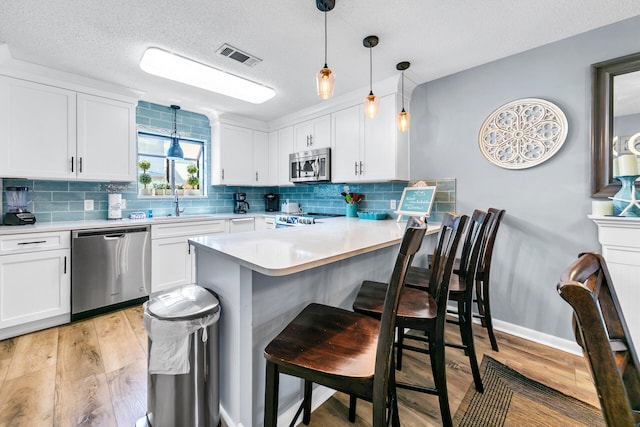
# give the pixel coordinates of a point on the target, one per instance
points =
(18, 198)
(271, 202)
(240, 204)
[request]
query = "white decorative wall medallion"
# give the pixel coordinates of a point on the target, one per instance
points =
(523, 133)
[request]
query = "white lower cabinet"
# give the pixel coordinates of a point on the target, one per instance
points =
(172, 258)
(237, 225)
(35, 282)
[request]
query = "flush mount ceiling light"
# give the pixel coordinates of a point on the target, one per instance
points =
(177, 68)
(325, 79)
(371, 101)
(175, 151)
(403, 117)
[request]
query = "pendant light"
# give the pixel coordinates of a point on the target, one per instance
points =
(403, 116)
(175, 151)
(325, 79)
(371, 101)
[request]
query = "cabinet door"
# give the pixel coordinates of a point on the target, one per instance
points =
(321, 133)
(273, 158)
(237, 225)
(106, 139)
(34, 286)
(379, 155)
(37, 130)
(312, 134)
(260, 158)
(171, 263)
(345, 154)
(285, 147)
(236, 144)
(301, 133)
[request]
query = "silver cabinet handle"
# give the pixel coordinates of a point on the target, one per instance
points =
(361, 167)
(35, 242)
(73, 160)
(80, 166)
(310, 140)
(256, 176)
(65, 265)
(223, 173)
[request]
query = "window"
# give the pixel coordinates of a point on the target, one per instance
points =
(163, 171)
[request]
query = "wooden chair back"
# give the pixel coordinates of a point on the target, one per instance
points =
(602, 332)
(484, 268)
(444, 254)
(472, 246)
(411, 242)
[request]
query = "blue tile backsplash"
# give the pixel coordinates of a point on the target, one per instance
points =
(64, 200)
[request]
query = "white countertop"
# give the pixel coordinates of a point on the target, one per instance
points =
(106, 223)
(292, 249)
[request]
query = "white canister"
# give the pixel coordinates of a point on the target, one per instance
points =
(601, 207)
(115, 206)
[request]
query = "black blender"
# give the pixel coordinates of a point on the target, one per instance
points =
(17, 199)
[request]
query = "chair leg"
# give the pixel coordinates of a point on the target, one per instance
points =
(400, 343)
(436, 353)
(308, 389)
(480, 302)
(487, 315)
(393, 400)
(466, 331)
(271, 396)
(352, 408)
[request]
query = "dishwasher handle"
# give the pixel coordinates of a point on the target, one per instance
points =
(109, 232)
(113, 236)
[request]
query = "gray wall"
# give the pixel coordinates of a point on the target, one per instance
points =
(546, 224)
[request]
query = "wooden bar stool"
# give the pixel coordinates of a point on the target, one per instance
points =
(483, 275)
(343, 350)
(602, 332)
(422, 310)
(460, 288)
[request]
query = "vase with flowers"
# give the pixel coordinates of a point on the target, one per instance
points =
(352, 200)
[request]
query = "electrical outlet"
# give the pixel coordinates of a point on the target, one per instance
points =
(392, 204)
(88, 205)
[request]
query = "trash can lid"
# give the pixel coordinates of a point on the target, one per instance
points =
(185, 302)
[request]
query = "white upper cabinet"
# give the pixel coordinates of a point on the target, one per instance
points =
(260, 158)
(369, 150)
(37, 130)
(280, 146)
(106, 139)
(240, 156)
(53, 133)
(312, 134)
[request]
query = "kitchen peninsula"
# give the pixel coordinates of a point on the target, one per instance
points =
(264, 279)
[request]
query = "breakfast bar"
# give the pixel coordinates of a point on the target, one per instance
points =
(264, 279)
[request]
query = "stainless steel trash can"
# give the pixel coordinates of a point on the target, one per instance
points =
(190, 399)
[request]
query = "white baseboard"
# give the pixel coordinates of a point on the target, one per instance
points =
(562, 344)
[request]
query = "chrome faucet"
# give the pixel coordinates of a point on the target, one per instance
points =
(176, 200)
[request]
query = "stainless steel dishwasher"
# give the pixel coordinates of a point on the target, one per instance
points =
(110, 269)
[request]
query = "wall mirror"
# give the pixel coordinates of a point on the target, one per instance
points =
(615, 118)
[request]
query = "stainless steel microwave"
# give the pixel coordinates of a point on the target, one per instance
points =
(310, 166)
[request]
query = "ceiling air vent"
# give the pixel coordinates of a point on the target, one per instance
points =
(238, 55)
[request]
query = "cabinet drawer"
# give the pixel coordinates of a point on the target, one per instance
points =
(188, 229)
(33, 242)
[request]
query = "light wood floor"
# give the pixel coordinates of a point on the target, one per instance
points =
(93, 373)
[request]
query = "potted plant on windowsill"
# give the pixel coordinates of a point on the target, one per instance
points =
(158, 188)
(193, 181)
(180, 188)
(145, 178)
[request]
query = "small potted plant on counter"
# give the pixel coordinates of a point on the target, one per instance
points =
(193, 181)
(145, 178)
(180, 188)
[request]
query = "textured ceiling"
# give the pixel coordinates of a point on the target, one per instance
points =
(105, 40)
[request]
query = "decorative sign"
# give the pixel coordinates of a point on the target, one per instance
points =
(416, 201)
(523, 133)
